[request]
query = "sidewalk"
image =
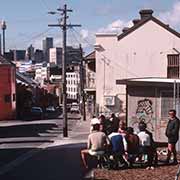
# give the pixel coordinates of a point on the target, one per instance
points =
(78, 134)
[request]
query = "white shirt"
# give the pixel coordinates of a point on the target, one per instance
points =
(144, 139)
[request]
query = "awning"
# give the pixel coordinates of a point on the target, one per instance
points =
(151, 81)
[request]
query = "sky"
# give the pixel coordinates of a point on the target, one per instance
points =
(27, 20)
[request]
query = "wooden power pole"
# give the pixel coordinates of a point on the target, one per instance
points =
(64, 26)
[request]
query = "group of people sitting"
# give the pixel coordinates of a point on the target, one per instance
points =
(119, 142)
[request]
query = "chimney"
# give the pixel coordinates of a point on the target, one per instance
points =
(145, 13)
(135, 21)
(125, 29)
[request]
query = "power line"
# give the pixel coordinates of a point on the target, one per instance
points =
(31, 39)
(83, 39)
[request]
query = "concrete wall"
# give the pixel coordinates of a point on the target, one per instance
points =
(145, 103)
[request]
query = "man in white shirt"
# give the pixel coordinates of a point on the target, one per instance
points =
(145, 144)
(144, 139)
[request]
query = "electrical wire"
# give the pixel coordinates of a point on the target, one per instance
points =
(33, 38)
(83, 39)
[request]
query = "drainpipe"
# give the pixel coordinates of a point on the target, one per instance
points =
(174, 95)
(126, 105)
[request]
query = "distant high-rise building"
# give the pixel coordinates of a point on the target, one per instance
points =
(30, 53)
(9, 55)
(73, 56)
(19, 55)
(38, 56)
(47, 44)
(55, 56)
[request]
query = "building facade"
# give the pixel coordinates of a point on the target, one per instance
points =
(55, 56)
(47, 44)
(7, 91)
(90, 84)
(38, 56)
(147, 49)
(73, 56)
(41, 73)
(73, 85)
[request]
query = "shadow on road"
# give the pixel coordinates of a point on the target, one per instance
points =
(55, 163)
(27, 130)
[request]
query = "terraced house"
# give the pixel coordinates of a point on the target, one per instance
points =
(137, 71)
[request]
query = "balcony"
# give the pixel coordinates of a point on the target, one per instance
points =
(90, 81)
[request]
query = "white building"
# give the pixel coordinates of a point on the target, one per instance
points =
(73, 85)
(149, 48)
(55, 56)
(41, 73)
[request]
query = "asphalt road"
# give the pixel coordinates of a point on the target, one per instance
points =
(56, 163)
(20, 140)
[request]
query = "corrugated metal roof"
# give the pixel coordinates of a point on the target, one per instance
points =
(25, 79)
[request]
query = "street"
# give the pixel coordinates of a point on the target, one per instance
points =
(51, 164)
(37, 150)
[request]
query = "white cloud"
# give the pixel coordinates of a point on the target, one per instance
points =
(115, 26)
(172, 17)
(84, 33)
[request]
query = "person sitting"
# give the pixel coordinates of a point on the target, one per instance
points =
(93, 121)
(145, 144)
(97, 143)
(117, 147)
(132, 145)
(122, 128)
(103, 122)
(115, 122)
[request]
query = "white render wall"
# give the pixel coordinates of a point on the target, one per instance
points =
(142, 53)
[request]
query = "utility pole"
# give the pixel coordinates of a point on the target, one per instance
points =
(63, 24)
(82, 84)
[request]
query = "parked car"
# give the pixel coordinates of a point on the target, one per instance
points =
(51, 112)
(36, 113)
(75, 108)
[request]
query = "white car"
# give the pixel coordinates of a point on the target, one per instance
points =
(74, 108)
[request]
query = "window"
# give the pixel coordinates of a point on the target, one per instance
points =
(14, 97)
(173, 66)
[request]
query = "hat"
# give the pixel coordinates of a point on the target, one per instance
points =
(95, 121)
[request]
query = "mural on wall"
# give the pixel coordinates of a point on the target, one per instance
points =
(144, 112)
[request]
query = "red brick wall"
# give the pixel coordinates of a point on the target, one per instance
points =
(7, 92)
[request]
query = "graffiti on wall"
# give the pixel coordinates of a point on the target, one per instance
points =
(144, 112)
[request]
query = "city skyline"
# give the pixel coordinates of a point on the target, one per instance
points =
(27, 21)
